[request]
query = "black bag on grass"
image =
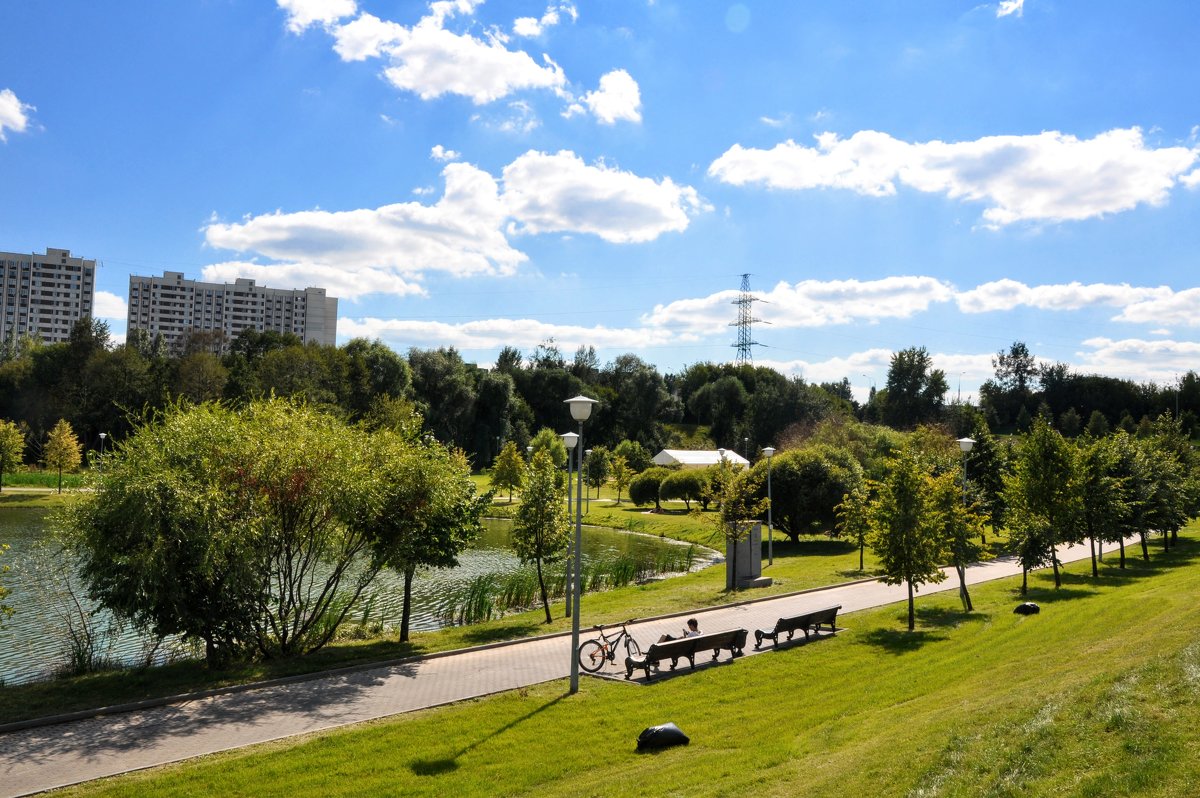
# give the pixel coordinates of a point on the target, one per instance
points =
(663, 736)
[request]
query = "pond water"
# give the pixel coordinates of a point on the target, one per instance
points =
(34, 640)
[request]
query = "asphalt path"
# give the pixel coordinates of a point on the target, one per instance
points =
(50, 756)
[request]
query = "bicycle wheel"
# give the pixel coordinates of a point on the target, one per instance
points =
(632, 647)
(591, 656)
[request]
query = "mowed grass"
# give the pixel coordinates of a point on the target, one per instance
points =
(1097, 695)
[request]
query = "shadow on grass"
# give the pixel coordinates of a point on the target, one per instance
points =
(948, 618)
(437, 767)
(499, 634)
(902, 641)
(812, 546)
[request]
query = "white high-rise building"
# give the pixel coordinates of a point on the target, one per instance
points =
(44, 295)
(174, 307)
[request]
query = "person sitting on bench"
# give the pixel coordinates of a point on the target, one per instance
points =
(692, 630)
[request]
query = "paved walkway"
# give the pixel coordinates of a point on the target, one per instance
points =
(42, 758)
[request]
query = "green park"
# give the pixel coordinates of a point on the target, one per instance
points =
(276, 536)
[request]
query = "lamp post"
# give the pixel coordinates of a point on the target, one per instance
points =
(769, 452)
(746, 447)
(965, 445)
(581, 410)
(587, 466)
(569, 439)
(103, 435)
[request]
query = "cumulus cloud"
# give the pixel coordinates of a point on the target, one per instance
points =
(532, 27)
(465, 233)
(386, 247)
(14, 114)
(1165, 306)
(548, 193)
(1008, 294)
(617, 99)
(1050, 176)
(440, 153)
(303, 13)
(1138, 359)
(812, 303)
(366, 37)
(1008, 7)
(495, 333)
(108, 305)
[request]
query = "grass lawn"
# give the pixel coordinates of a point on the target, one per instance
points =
(41, 479)
(1097, 695)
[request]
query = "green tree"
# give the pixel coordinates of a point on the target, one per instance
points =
(916, 392)
(540, 532)
(1102, 496)
(200, 377)
(1042, 492)
(737, 496)
(986, 465)
(552, 444)
(622, 475)
(644, 488)
(62, 450)
(1097, 425)
(636, 457)
(12, 448)
(1070, 423)
(508, 471)
(905, 528)
(853, 519)
(959, 524)
(426, 510)
(688, 485)
(245, 529)
(807, 485)
(597, 467)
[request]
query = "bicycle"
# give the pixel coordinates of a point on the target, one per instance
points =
(594, 653)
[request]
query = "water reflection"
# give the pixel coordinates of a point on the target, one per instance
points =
(34, 640)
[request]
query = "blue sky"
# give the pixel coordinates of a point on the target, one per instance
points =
(951, 175)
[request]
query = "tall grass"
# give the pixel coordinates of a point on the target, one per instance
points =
(41, 479)
(491, 595)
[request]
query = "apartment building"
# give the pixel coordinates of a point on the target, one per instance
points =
(174, 307)
(44, 295)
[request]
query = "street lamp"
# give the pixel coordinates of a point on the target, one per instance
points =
(965, 445)
(746, 447)
(569, 439)
(587, 466)
(769, 452)
(581, 410)
(103, 435)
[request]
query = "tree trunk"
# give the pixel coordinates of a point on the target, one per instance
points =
(1145, 546)
(912, 616)
(542, 584)
(1054, 562)
(962, 587)
(1174, 537)
(60, 479)
(1122, 554)
(406, 606)
(862, 544)
(1095, 569)
(1166, 540)
(1024, 580)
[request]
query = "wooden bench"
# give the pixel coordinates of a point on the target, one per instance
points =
(733, 641)
(806, 622)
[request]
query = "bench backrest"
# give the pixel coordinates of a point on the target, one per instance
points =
(827, 615)
(685, 646)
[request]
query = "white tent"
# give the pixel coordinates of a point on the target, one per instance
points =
(698, 459)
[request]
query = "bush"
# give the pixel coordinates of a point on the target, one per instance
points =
(807, 485)
(690, 485)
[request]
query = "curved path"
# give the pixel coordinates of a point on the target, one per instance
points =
(45, 757)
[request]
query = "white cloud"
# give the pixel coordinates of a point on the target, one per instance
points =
(367, 37)
(495, 333)
(440, 153)
(303, 13)
(547, 193)
(1191, 179)
(108, 305)
(1165, 307)
(532, 27)
(389, 249)
(14, 114)
(617, 99)
(772, 122)
(384, 248)
(1008, 294)
(1008, 7)
(812, 303)
(1045, 177)
(1137, 359)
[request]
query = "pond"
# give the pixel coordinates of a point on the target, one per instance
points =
(34, 641)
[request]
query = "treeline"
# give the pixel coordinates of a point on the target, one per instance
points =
(101, 388)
